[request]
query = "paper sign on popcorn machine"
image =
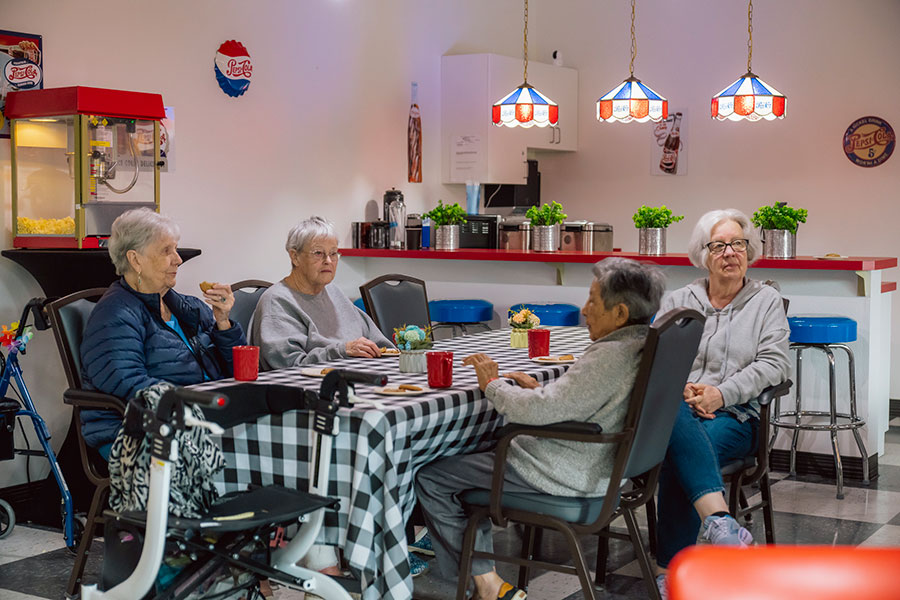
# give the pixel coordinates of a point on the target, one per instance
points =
(81, 156)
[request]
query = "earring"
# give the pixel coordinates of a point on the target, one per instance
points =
(139, 282)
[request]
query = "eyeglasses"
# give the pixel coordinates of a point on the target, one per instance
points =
(319, 255)
(717, 248)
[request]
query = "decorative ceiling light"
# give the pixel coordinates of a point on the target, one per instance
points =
(749, 97)
(525, 106)
(632, 100)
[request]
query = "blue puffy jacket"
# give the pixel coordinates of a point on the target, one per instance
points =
(127, 346)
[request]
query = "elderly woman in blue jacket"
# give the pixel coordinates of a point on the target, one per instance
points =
(142, 331)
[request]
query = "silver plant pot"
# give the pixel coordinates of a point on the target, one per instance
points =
(545, 238)
(447, 237)
(652, 240)
(779, 243)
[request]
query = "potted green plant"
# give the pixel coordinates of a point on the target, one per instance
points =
(446, 219)
(778, 224)
(545, 222)
(651, 223)
(413, 341)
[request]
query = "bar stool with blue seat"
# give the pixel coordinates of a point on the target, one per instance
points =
(460, 314)
(553, 314)
(825, 334)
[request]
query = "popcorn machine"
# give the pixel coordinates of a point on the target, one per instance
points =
(80, 157)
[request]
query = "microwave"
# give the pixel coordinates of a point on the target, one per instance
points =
(480, 231)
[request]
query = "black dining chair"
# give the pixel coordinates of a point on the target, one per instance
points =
(394, 300)
(668, 354)
(246, 296)
(68, 317)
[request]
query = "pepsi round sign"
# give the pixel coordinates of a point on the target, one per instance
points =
(869, 141)
(22, 74)
(233, 68)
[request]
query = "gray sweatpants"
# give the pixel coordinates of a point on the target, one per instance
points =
(437, 487)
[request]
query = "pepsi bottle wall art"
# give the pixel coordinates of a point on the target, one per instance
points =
(233, 68)
(21, 67)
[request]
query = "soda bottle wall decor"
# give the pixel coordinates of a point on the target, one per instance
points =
(414, 138)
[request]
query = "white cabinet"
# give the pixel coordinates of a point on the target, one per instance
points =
(473, 148)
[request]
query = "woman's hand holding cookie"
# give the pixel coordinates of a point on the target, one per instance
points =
(221, 299)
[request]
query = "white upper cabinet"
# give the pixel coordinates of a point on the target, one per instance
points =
(473, 148)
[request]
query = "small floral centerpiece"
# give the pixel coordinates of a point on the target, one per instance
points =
(413, 341)
(520, 321)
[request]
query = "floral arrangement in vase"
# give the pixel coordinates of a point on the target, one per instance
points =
(520, 321)
(413, 341)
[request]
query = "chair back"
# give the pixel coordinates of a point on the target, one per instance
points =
(394, 300)
(657, 395)
(69, 316)
(246, 297)
(782, 572)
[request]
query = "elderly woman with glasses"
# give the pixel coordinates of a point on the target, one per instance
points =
(143, 332)
(744, 349)
(303, 319)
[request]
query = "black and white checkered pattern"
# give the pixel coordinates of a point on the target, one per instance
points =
(379, 449)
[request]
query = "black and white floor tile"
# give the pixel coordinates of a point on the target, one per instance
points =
(35, 565)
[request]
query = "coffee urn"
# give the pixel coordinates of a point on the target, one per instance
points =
(413, 232)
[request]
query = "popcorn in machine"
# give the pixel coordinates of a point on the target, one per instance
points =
(80, 157)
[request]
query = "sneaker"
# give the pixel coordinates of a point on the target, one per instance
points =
(510, 592)
(661, 586)
(725, 531)
(417, 566)
(422, 545)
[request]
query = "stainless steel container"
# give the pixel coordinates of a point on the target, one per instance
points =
(413, 232)
(378, 234)
(515, 236)
(779, 243)
(447, 237)
(545, 238)
(652, 241)
(586, 236)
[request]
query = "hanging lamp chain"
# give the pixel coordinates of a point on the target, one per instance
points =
(525, 43)
(633, 43)
(750, 36)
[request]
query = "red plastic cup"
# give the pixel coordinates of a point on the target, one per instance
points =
(440, 369)
(538, 342)
(246, 362)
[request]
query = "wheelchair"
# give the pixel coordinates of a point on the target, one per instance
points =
(234, 536)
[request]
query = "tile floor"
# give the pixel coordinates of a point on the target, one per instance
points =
(34, 564)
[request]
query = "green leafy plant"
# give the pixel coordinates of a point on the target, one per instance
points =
(548, 214)
(654, 216)
(413, 337)
(779, 216)
(446, 214)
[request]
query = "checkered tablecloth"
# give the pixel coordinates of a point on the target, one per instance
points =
(379, 449)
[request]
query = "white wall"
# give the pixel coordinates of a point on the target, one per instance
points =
(322, 128)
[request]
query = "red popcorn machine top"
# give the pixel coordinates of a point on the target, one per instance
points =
(81, 156)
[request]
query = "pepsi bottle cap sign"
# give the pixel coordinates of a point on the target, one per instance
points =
(233, 68)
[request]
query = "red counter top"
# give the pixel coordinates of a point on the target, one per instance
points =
(850, 263)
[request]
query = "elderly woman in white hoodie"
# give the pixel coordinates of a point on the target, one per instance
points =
(744, 349)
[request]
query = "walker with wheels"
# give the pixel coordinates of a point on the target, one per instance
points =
(15, 338)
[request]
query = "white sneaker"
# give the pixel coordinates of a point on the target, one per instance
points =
(725, 531)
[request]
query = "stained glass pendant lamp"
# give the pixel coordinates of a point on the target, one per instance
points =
(749, 97)
(525, 106)
(632, 100)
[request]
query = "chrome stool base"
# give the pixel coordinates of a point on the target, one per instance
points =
(853, 421)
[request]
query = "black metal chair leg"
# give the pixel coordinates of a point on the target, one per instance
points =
(465, 560)
(73, 588)
(529, 535)
(602, 559)
(641, 553)
(578, 561)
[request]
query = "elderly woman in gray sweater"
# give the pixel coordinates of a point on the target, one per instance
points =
(744, 349)
(623, 297)
(303, 319)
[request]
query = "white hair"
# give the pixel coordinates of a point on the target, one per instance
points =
(697, 250)
(639, 286)
(134, 230)
(306, 231)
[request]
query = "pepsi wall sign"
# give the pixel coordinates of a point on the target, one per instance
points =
(869, 141)
(233, 68)
(22, 74)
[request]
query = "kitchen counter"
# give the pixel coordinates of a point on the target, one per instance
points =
(846, 263)
(853, 286)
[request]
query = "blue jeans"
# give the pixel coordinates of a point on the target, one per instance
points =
(691, 469)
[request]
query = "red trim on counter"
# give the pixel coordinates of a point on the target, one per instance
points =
(888, 286)
(852, 263)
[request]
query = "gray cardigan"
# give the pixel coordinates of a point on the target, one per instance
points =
(744, 347)
(293, 329)
(595, 389)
